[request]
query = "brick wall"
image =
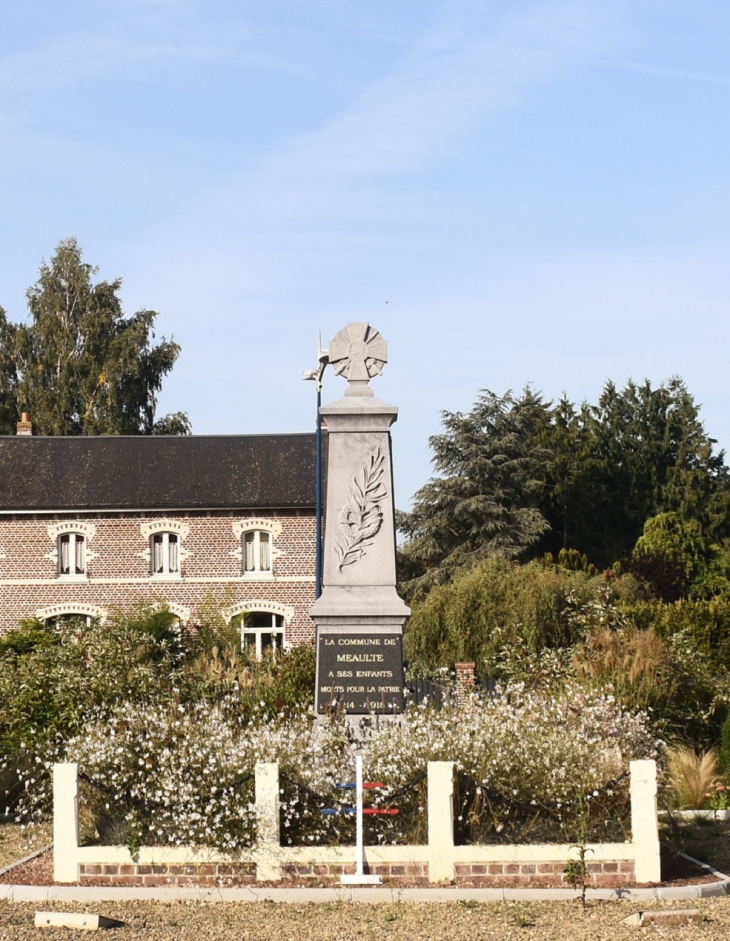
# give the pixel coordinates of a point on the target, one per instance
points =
(118, 565)
(605, 874)
(400, 873)
(205, 874)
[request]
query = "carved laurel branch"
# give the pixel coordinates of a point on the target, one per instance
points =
(361, 517)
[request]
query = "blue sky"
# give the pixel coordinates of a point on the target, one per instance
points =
(509, 191)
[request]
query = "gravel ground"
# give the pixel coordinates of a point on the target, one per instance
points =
(194, 921)
(17, 842)
(557, 921)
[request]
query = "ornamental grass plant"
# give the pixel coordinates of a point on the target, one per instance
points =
(692, 776)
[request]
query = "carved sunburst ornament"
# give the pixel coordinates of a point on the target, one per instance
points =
(358, 352)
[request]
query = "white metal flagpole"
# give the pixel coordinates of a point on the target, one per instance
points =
(359, 877)
(359, 862)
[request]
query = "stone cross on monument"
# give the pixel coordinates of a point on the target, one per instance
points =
(359, 615)
(358, 353)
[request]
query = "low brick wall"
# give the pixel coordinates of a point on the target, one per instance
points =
(203, 874)
(402, 873)
(438, 861)
(608, 874)
(605, 874)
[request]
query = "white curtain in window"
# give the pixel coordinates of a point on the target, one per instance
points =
(173, 567)
(250, 561)
(79, 555)
(65, 555)
(265, 552)
(157, 554)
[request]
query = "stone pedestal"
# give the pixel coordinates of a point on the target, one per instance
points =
(359, 615)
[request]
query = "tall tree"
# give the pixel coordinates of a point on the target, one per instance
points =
(573, 498)
(81, 366)
(484, 497)
(8, 377)
(525, 477)
(640, 452)
(656, 457)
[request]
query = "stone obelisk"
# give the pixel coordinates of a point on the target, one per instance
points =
(359, 615)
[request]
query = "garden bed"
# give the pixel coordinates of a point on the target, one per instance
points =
(705, 839)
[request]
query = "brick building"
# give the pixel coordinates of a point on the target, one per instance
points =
(93, 524)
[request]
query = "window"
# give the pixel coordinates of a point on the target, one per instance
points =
(256, 552)
(69, 620)
(71, 554)
(263, 631)
(165, 554)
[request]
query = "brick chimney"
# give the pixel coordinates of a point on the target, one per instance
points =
(25, 426)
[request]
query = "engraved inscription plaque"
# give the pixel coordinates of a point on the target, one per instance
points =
(360, 673)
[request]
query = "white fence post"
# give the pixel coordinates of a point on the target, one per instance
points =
(268, 836)
(65, 822)
(644, 821)
(441, 821)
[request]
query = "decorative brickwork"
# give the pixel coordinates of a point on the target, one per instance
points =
(118, 570)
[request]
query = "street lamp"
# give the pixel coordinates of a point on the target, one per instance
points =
(315, 375)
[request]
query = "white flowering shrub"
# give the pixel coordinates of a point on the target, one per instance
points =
(528, 758)
(183, 774)
(170, 774)
(522, 742)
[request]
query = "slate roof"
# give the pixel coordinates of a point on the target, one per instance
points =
(156, 472)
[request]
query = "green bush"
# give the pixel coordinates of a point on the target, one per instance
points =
(500, 603)
(667, 677)
(725, 749)
(30, 634)
(47, 687)
(52, 679)
(706, 624)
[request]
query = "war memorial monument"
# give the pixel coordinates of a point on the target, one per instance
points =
(359, 616)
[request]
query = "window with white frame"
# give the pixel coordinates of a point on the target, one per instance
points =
(71, 555)
(165, 554)
(257, 552)
(263, 631)
(69, 620)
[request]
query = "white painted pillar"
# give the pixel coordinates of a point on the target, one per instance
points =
(644, 821)
(65, 822)
(268, 835)
(441, 821)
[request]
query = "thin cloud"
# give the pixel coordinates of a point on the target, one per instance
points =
(676, 73)
(78, 59)
(451, 75)
(333, 192)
